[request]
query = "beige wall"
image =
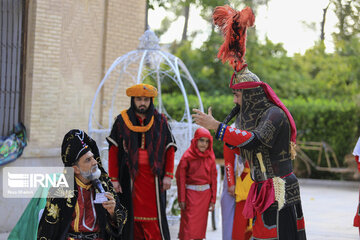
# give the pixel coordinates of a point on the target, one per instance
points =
(74, 43)
(70, 45)
(125, 34)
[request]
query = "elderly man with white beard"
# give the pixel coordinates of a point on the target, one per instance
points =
(82, 215)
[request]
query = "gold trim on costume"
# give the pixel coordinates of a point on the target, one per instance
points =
(77, 208)
(146, 218)
(245, 75)
(249, 226)
(53, 211)
(293, 150)
(262, 166)
(136, 128)
(82, 185)
(142, 138)
(77, 217)
(279, 187)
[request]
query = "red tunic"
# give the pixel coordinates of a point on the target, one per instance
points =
(145, 208)
(84, 216)
(144, 191)
(144, 185)
(196, 168)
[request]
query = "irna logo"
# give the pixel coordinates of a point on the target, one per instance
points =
(34, 180)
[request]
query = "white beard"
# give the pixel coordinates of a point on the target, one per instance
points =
(90, 175)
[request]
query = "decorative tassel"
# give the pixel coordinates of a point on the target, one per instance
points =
(262, 166)
(279, 187)
(249, 226)
(293, 150)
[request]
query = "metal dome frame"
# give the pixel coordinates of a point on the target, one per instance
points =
(154, 63)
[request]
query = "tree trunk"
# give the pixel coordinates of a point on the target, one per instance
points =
(340, 13)
(322, 34)
(186, 15)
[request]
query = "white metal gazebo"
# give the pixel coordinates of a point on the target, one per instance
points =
(147, 63)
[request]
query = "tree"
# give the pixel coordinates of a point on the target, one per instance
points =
(348, 14)
(315, 74)
(182, 8)
(322, 24)
(186, 15)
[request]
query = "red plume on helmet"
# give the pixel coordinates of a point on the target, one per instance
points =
(233, 25)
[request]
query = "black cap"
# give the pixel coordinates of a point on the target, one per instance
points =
(75, 144)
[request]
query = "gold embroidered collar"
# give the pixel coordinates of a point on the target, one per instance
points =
(82, 185)
(136, 128)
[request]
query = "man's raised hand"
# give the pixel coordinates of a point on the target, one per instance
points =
(205, 120)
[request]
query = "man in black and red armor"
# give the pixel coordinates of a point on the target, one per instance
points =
(264, 135)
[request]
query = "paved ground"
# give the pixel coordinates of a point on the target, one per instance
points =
(329, 208)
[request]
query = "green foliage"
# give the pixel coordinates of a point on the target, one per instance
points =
(165, 25)
(153, 3)
(210, 74)
(221, 106)
(175, 104)
(316, 74)
(182, 8)
(330, 75)
(334, 122)
(175, 210)
(348, 14)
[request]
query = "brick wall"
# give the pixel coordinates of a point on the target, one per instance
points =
(125, 28)
(70, 45)
(73, 44)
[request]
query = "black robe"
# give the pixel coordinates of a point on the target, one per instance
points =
(57, 216)
(158, 140)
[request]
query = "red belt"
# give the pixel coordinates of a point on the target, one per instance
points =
(259, 202)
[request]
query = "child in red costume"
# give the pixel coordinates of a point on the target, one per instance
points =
(196, 180)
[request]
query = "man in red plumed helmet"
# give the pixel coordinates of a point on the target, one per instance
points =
(264, 135)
